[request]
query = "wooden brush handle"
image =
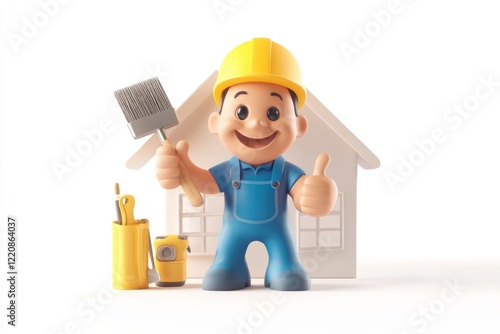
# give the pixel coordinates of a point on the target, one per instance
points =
(187, 182)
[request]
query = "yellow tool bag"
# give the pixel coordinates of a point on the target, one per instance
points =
(130, 255)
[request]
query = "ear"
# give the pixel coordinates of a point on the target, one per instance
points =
(213, 122)
(301, 125)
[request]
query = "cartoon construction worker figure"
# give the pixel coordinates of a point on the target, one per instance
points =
(260, 93)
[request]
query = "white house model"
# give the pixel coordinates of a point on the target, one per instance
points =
(326, 245)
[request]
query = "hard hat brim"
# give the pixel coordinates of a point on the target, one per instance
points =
(297, 88)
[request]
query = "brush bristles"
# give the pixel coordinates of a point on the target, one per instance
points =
(142, 100)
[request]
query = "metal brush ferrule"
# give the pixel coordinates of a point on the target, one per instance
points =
(162, 134)
(147, 125)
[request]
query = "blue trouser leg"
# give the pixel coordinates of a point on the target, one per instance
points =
(284, 271)
(229, 271)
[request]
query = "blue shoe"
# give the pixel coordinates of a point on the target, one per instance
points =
(290, 280)
(220, 279)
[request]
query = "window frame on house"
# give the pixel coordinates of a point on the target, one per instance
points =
(186, 210)
(318, 230)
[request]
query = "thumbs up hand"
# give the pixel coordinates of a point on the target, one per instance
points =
(319, 192)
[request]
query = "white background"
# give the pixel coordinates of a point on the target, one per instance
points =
(439, 226)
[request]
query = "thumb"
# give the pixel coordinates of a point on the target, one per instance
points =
(322, 162)
(182, 149)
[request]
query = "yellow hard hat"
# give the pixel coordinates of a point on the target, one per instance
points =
(260, 60)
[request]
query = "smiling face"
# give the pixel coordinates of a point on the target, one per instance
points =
(257, 122)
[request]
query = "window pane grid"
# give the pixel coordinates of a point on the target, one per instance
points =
(203, 238)
(324, 232)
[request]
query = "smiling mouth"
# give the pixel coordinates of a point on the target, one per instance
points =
(256, 143)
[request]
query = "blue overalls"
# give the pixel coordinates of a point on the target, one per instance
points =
(255, 210)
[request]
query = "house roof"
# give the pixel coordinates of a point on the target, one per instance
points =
(202, 99)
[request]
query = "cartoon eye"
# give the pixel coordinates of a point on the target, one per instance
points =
(242, 112)
(273, 114)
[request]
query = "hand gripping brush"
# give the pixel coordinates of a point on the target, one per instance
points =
(147, 110)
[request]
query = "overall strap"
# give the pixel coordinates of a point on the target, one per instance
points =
(279, 165)
(235, 172)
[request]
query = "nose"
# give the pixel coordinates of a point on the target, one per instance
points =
(259, 123)
(263, 123)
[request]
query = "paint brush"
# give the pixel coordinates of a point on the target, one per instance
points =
(117, 204)
(147, 109)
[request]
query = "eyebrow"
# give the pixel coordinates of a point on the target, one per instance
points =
(240, 93)
(278, 95)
